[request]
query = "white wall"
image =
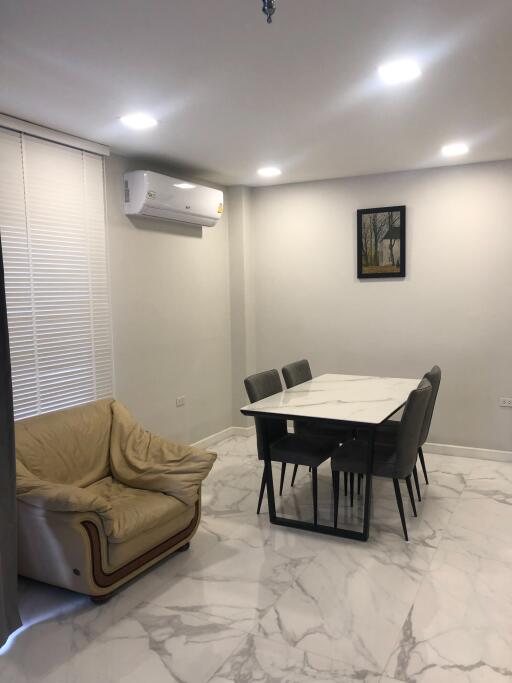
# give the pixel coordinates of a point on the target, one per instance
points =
(454, 308)
(276, 281)
(243, 333)
(171, 317)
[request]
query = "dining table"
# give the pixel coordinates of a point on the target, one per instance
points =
(359, 402)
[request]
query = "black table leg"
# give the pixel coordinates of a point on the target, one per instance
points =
(268, 471)
(368, 487)
(308, 526)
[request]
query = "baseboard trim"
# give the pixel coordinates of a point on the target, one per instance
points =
(434, 448)
(224, 434)
(467, 452)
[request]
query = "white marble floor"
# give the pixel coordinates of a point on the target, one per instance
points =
(250, 602)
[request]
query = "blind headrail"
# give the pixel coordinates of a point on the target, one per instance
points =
(12, 123)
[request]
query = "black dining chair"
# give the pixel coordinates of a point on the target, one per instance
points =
(285, 448)
(392, 461)
(387, 433)
(298, 373)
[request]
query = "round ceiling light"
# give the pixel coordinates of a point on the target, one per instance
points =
(269, 172)
(138, 121)
(399, 71)
(454, 149)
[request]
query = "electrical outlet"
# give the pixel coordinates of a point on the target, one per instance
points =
(506, 402)
(180, 401)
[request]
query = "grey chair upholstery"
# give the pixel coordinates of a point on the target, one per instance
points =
(298, 373)
(394, 461)
(260, 386)
(285, 448)
(387, 433)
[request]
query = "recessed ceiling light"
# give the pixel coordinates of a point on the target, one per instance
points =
(138, 121)
(454, 149)
(185, 186)
(400, 71)
(269, 172)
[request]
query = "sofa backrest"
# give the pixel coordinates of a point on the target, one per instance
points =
(68, 446)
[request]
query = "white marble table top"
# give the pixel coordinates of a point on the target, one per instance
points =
(351, 398)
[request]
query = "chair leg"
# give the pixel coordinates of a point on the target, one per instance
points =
(281, 483)
(336, 492)
(400, 505)
(315, 495)
(422, 461)
(295, 468)
(345, 482)
(351, 489)
(359, 480)
(416, 482)
(262, 491)
(411, 494)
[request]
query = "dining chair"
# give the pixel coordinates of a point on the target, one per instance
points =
(392, 461)
(294, 449)
(387, 433)
(298, 373)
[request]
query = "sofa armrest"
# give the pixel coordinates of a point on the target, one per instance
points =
(54, 547)
(143, 460)
(56, 497)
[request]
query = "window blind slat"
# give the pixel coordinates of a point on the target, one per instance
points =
(53, 237)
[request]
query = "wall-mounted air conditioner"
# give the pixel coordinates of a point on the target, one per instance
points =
(158, 196)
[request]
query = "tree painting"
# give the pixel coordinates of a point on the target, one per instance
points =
(381, 242)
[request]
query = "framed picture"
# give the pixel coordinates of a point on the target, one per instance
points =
(381, 242)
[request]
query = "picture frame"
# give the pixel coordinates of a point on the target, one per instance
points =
(381, 242)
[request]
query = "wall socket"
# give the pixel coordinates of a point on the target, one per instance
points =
(506, 402)
(180, 401)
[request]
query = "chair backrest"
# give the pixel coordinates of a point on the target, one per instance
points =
(410, 428)
(260, 386)
(434, 377)
(296, 373)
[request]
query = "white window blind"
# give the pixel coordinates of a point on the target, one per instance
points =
(52, 224)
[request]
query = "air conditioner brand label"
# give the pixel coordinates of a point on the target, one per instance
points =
(220, 208)
(151, 194)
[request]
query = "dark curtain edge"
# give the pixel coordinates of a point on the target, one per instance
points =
(9, 616)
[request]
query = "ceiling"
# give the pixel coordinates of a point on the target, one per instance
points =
(233, 93)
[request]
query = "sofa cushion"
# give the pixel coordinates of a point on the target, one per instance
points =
(67, 446)
(134, 511)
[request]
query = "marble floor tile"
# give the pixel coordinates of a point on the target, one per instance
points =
(190, 647)
(459, 626)
(244, 574)
(493, 482)
(263, 660)
(152, 642)
(251, 601)
(482, 526)
(350, 603)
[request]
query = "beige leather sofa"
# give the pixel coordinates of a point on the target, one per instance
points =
(100, 499)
